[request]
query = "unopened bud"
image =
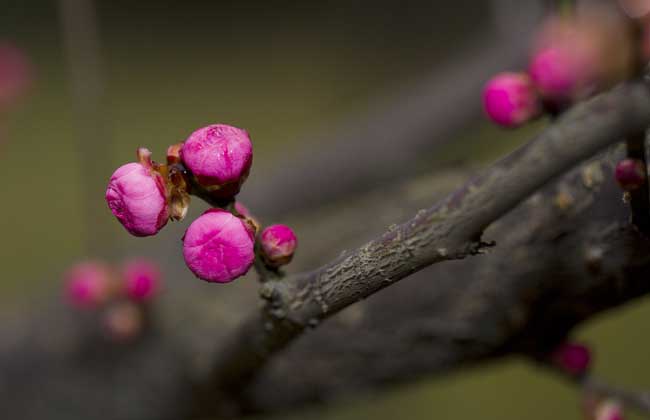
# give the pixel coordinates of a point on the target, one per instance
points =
(278, 244)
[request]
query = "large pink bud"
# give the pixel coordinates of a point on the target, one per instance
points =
(219, 247)
(510, 99)
(136, 196)
(15, 74)
(141, 279)
(278, 244)
(87, 284)
(220, 156)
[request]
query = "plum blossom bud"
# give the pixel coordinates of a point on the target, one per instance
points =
(123, 321)
(141, 280)
(15, 74)
(219, 247)
(136, 195)
(278, 244)
(88, 284)
(629, 174)
(510, 99)
(220, 157)
(572, 358)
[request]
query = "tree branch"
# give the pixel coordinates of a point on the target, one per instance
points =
(450, 230)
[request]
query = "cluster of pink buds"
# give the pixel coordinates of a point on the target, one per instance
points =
(118, 294)
(572, 58)
(572, 358)
(212, 163)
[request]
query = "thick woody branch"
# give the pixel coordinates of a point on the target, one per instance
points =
(449, 230)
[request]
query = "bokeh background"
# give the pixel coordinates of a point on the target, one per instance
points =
(286, 71)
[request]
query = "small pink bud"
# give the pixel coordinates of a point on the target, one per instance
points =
(220, 157)
(123, 321)
(629, 174)
(219, 247)
(572, 358)
(510, 99)
(88, 284)
(136, 196)
(278, 245)
(15, 74)
(564, 64)
(141, 280)
(609, 410)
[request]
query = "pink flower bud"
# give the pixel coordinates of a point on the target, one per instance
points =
(219, 247)
(15, 74)
(510, 99)
(87, 284)
(141, 280)
(136, 196)
(123, 321)
(565, 62)
(609, 410)
(629, 174)
(220, 156)
(572, 358)
(278, 245)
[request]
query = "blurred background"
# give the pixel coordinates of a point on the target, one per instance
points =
(292, 73)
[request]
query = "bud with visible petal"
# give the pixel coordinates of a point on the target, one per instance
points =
(510, 99)
(219, 247)
(629, 174)
(220, 157)
(572, 358)
(137, 196)
(88, 284)
(278, 243)
(141, 280)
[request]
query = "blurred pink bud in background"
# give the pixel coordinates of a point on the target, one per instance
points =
(87, 284)
(572, 358)
(141, 279)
